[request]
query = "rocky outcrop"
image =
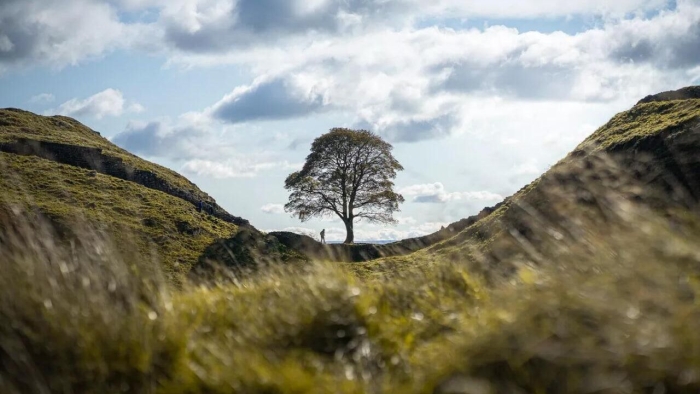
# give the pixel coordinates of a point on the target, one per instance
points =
(94, 159)
(690, 92)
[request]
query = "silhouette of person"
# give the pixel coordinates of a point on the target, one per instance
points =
(323, 236)
(199, 206)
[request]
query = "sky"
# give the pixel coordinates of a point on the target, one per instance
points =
(477, 97)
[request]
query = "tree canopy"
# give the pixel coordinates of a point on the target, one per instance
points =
(349, 173)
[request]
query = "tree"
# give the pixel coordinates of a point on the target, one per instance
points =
(348, 173)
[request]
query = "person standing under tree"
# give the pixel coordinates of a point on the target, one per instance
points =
(323, 236)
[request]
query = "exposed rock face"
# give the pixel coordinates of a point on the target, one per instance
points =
(94, 159)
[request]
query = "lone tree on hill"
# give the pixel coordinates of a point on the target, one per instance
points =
(348, 173)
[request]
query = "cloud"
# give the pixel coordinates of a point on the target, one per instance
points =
(196, 142)
(406, 220)
(136, 108)
(435, 193)
(542, 8)
(275, 209)
(205, 26)
(109, 102)
(144, 138)
(42, 98)
(216, 25)
(527, 168)
(191, 135)
(412, 130)
(238, 167)
(412, 84)
(670, 40)
(60, 32)
(376, 60)
(268, 100)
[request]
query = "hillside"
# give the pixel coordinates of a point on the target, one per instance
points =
(65, 140)
(72, 175)
(659, 134)
(585, 281)
(643, 160)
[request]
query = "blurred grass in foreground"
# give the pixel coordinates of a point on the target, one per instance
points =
(85, 318)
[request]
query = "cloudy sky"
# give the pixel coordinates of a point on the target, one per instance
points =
(477, 97)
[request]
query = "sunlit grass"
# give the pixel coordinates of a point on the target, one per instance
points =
(159, 226)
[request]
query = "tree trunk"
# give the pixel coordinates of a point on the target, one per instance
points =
(350, 237)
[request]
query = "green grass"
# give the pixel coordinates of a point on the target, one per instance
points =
(612, 322)
(16, 124)
(644, 120)
(489, 246)
(159, 226)
(587, 280)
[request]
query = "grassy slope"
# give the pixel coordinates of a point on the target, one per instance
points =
(15, 124)
(644, 120)
(164, 227)
(602, 297)
(497, 244)
(623, 319)
(159, 225)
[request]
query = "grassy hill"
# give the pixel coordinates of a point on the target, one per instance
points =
(644, 159)
(73, 176)
(587, 280)
(17, 125)
(660, 131)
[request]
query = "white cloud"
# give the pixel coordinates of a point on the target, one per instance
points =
(109, 102)
(42, 98)
(215, 26)
(273, 208)
(268, 99)
(136, 108)
(136, 5)
(200, 145)
(527, 168)
(407, 220)
(239, 167)
(411, 84)
(57, 33)
(539, 8)
(190, 135)
(436, 193)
